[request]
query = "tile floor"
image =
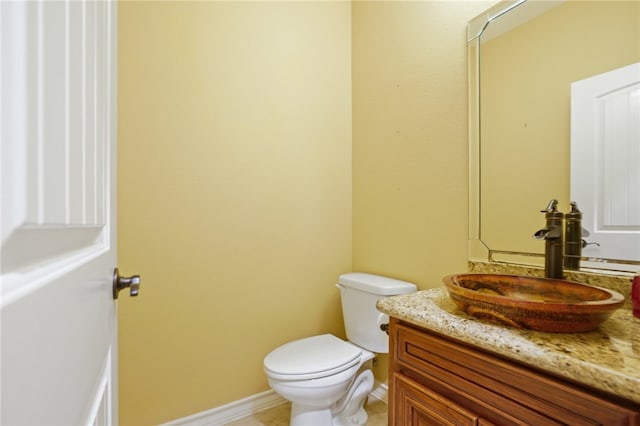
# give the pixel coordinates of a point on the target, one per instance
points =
(279, 415)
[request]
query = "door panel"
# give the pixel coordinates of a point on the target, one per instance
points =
(58, 317)
(605, 154)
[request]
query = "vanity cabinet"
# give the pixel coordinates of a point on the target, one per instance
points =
(434, 380)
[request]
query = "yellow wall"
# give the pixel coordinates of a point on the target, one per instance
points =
(410, 166)
(235, 168)
(234, 194)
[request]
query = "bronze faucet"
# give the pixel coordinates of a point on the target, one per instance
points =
(573, 241)
(552, 233)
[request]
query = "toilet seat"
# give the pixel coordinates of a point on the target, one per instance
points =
(311, 358)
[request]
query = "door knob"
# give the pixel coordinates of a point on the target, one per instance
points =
(119, 283)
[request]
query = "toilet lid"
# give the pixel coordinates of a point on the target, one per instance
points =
(312, 357)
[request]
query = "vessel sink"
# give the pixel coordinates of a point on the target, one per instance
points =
(542, 304)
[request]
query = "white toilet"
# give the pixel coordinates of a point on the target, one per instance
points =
(327, 379)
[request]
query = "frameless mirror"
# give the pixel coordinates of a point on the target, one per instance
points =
(524, 58)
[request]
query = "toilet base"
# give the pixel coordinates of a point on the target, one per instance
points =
(358, 419)
(349, 410)
(308, 416)
(305, 416)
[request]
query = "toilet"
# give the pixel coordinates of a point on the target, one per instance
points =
(326, 378)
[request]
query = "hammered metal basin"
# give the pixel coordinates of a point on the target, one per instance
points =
(542, 304)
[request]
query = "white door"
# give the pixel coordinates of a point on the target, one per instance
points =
(58, 252)
(605, 161)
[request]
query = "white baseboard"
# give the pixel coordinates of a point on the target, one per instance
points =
(380, 392)
(224, 414)
(233, 411)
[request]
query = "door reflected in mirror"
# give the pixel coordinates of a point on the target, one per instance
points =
(605, 161)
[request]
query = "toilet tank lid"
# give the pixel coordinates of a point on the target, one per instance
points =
(376, 284)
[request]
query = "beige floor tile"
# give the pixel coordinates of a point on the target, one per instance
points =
(279, 416)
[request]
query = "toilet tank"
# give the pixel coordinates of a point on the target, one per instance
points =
(359, 294)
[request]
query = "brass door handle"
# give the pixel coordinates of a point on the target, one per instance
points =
(119, 283)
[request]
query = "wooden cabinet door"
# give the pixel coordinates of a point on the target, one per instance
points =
(417, 405)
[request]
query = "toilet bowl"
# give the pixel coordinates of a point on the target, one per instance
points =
(314, 373)
(328, 379)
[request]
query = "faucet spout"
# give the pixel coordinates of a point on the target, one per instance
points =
(549, 232)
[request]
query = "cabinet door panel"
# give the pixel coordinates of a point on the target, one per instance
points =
(417, 405)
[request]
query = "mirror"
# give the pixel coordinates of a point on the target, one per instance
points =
(523, 58)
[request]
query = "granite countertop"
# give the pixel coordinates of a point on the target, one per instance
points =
(607, 358)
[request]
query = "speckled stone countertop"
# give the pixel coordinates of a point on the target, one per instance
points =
(607, 358)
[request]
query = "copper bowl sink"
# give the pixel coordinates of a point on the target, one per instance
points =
(542, 304)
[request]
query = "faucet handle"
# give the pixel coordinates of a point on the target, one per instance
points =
(574, 208)
(552, 207)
